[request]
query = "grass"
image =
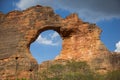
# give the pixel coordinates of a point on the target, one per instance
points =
(73, 70)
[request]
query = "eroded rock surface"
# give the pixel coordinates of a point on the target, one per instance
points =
(18, 29)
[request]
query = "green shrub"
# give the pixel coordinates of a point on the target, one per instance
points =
(78, 76)
(53, 78)
(114, 75)
(22, 79)
(73, 70)
(57, 68)
(82, 67)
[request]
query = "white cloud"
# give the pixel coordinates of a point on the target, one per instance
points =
(117, 47)
(46, 41)
(23, 4)
(88, 10)
(54, 35)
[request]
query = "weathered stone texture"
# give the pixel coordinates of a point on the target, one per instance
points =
(115, 60)
(18, 29)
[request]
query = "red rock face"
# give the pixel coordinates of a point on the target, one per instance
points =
(18, 29)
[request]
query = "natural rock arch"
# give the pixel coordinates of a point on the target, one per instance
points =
(81, 40)
(45, 28)
(35, 33)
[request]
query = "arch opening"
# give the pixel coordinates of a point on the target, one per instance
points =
(47, 46)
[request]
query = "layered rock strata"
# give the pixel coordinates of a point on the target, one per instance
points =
(18, 29)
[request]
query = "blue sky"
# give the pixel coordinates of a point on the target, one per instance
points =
(47, 46)
(105, 13)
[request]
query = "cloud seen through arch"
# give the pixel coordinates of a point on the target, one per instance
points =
(52, 41)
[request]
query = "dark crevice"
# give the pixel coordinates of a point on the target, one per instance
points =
(30, 70)
(16, 58)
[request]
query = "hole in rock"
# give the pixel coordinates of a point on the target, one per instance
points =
(47, 46)
(16, 58)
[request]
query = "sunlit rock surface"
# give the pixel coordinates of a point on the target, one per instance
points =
(81, 41)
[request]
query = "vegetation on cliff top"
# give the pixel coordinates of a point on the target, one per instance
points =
(71, 70)
(75, 71)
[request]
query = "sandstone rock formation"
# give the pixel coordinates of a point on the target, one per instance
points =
(18, 29)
